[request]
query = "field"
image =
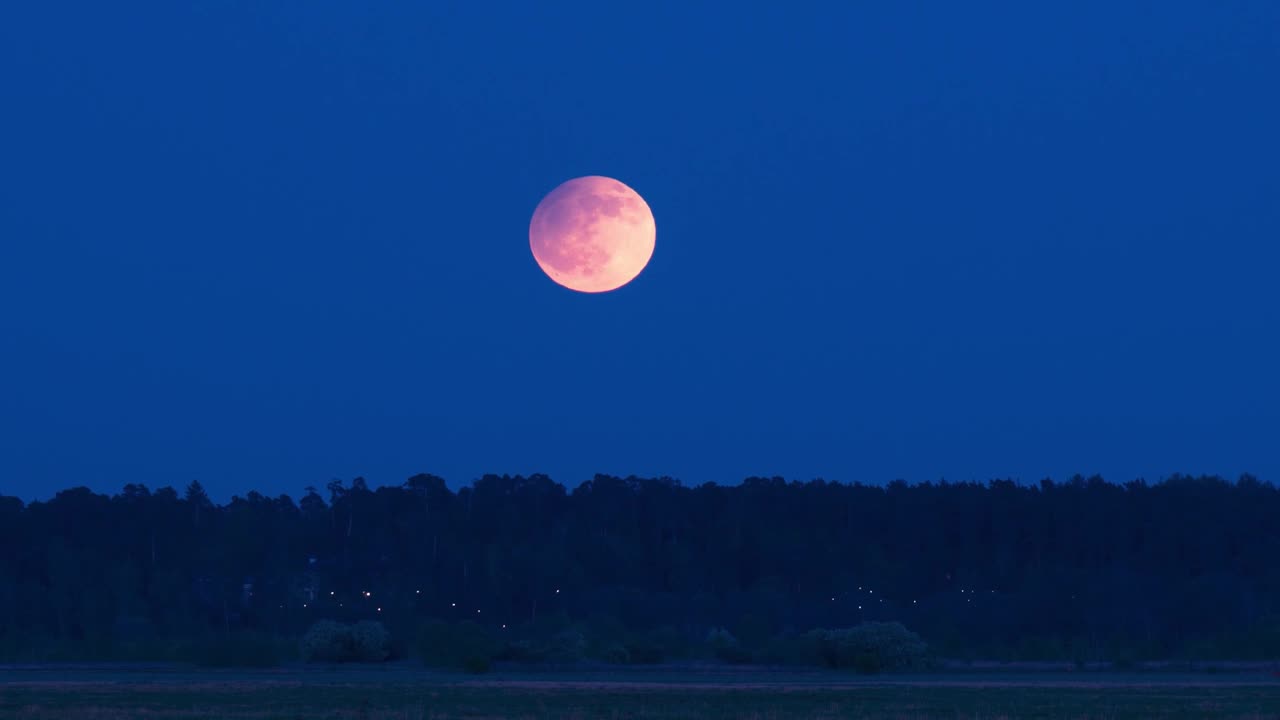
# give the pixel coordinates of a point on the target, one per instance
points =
(406, 693)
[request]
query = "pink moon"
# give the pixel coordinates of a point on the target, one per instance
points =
(592, 234)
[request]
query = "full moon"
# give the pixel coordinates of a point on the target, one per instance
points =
(592, 234)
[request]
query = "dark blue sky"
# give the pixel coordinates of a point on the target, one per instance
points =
(265, 245)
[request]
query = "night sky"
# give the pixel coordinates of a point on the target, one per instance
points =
(265, 245)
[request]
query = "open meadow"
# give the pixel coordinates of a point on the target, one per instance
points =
(405, 693)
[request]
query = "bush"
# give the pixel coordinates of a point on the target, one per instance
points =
(724, 646)
(604, 633)
(642, 649)
(870, 647)
(565, 646)
(568, 646)
(1124, 662)
(522, 651)
(476, 664)
(657, 644)
(737, 655)
(616, 654)
(718, 639)
(867, 663)
(435, 638)
(460, 645)
(328, 641)
(369, 641)
(789, 648)
(325, 641)
(752, 630)
(239, 649)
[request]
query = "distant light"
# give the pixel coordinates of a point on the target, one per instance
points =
(367, 593)
(303, 605)
(913, 602)
(330, 592)
(504, 626)
(417, 592)
(477, 612)
(453, 604)
(379, 609)
(557, 590)
(833, 599)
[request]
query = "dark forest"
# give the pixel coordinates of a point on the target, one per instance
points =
(646, 570)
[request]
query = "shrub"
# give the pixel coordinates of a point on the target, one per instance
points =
(642, 649)
(1124, 662)
(752, 630)
(789, 648)
(736, 655)
(604, 632)
(399, 646)
(724, 646)
(435, 639)
(617, 654)
(476, 664)
(238, 649)
(867, 663)
(657, 644)
(325, 641)
(870, 647)
(566, 647)
(460, 645)
(369, 641)
(522, 651)
(329, 641)
(718, 639)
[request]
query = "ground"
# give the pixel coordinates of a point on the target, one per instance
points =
(112, 692)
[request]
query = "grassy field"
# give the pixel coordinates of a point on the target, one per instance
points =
(408, 694)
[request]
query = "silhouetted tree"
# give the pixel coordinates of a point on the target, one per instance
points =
(1076, 569)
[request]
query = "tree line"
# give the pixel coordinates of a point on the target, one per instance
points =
(652, 569)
